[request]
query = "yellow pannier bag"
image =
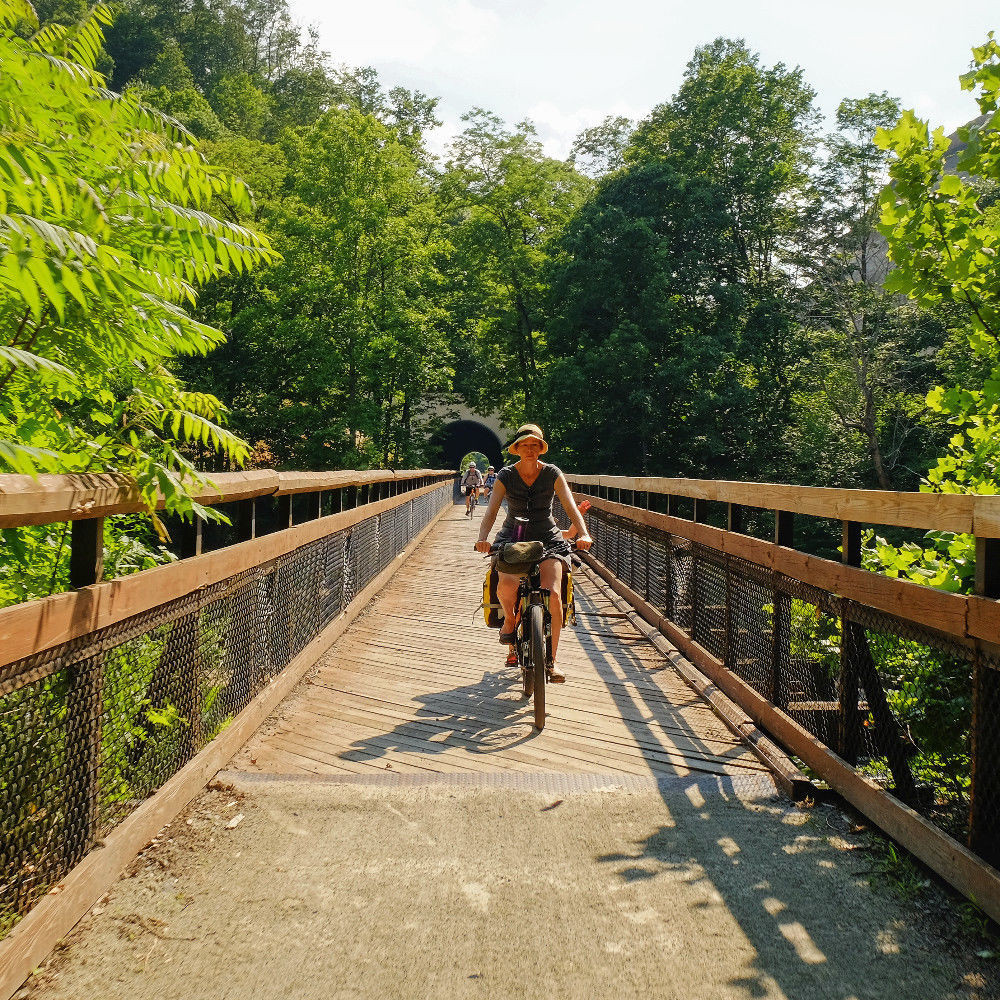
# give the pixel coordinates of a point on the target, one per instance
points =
(493, 612)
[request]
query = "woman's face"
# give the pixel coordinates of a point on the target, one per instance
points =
(530, 449)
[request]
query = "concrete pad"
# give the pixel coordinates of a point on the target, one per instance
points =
(458, 889)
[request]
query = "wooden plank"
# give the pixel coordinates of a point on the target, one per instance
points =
(37, 625)
(312, 482)
(986, 517)
(56, 914)
(984, 619)
(788, 776)
(579, 741)
(935, 609)
(944, 512)
(571, 718)
(463, 752)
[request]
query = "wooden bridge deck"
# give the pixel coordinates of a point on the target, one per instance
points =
(418, 684)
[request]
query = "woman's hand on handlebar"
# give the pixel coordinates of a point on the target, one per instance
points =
(482, 546)
(584, 542)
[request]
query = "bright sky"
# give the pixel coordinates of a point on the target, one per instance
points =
(566, 64)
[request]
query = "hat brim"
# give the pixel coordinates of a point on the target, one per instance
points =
(512, 447)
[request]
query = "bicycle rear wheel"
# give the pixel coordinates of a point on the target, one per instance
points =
(536, 625)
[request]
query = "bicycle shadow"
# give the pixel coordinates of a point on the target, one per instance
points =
(486, 716)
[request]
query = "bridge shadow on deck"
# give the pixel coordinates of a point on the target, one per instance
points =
(791, 877)
(818, 930)
(787, 883)
(489, 716)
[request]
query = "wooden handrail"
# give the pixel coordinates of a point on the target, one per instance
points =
(25, 500)
(971, 514)
(974, 619)
(48, 621)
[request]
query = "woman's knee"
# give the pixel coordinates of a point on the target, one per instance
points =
(551, 574)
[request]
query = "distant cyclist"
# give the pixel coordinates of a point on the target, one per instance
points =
(491, 478)
(471, 482)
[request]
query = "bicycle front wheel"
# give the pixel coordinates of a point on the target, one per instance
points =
(536, 625)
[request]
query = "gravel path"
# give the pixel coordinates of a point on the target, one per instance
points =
(321, 889)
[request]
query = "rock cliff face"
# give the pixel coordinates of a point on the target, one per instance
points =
(878, 263)
(957, 145)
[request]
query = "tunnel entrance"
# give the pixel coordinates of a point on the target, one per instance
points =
(455, 440)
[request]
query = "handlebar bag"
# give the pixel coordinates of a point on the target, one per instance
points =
(517, 558)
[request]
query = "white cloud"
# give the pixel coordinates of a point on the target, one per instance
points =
(403, 31)
(557, 127)
(470, 27)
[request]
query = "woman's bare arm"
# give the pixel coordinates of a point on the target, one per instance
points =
(565, 495)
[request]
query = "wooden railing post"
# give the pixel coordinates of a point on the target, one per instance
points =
(984, 799)
(245, 520)
(85, 699)
(781, 627)
(849, 727)
(190, 542)
(736, 518)
(285, 511)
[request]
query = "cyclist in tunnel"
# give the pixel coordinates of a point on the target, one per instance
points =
(530, 487)
(471, 482)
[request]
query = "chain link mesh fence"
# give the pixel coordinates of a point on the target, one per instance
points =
(91, 728)
(893, 698)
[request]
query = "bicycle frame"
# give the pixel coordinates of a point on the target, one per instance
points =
(530, 591)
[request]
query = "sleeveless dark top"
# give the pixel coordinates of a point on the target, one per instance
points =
(533, 502)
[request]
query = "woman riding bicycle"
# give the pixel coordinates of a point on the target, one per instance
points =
(529, 487)
(471, 482)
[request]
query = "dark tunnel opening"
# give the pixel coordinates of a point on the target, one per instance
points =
(451, 443)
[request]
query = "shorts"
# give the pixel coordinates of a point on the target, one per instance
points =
(469, 490)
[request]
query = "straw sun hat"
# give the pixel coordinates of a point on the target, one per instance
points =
(524, 432)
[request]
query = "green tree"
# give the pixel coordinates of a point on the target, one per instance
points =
(749, 130)
(867, 356)
(505, 203)
(943, 229)
(105, 231)
(331, 350)
(600, 149)
(643, 327)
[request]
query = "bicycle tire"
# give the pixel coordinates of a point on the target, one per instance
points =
(536, 626)
(527, 680)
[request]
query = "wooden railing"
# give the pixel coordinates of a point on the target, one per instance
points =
(120, 698)
(750, 588)
(975, 617)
